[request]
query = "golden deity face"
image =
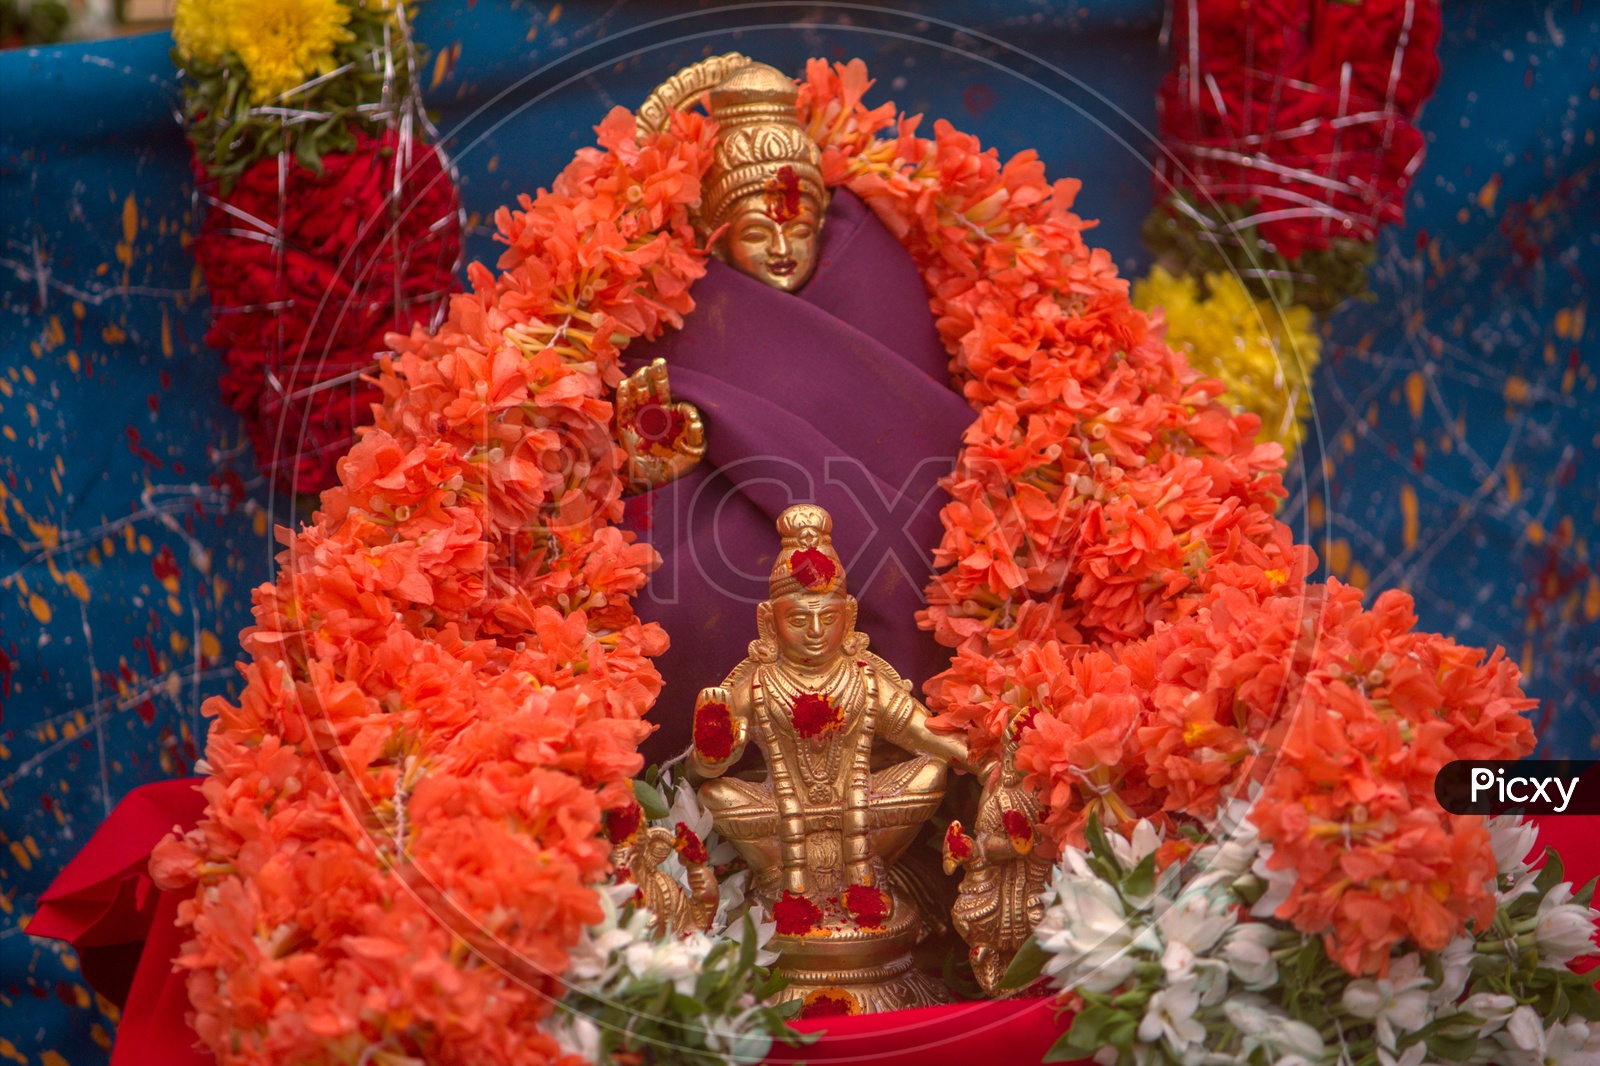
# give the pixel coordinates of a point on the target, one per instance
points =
(810, 628)
(778, 251)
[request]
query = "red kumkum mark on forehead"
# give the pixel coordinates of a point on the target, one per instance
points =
(782, 196)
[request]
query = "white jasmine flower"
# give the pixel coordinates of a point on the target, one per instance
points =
(1196, 920)
(1208, 977)
(1089, 934)
(1456, 961)
(686, 808)
(1169, 1016)
(1575, 1042)
(1279, 884)
(1411, 1056)
(1512, 839)
(1493, 1007)
(576, 1034)
(1522, 1040)
(1248, 952)
(1131, 851)
(1265, 1026)
(1395, 1004)
(733, 1037)
(1236, 843)
(1564, 929)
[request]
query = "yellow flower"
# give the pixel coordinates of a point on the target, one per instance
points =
(203, 29)
(284, 43)
(1265, 357)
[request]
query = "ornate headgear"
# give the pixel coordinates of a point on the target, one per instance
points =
(760, 145)
(806, 559)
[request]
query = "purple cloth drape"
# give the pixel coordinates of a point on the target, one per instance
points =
(837, 395)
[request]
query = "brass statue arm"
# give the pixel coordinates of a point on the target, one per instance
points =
(737, 701)
(905, 720)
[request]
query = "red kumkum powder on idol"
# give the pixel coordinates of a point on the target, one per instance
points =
(814, 715)
(829, 1003)
(782, 196)
(795, 915)
(868, 905)
(622, 823)
(957, 842)
(713, 732)
(687, 843)
(1018, 829)
(813, 569)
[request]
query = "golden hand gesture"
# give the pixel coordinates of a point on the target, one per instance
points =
(663, 440)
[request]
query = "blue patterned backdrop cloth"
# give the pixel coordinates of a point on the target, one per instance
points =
(1456, 450)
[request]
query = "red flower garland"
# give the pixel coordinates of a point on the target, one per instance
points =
(1300, 110)
(307, 274)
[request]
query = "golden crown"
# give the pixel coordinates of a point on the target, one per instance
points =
(758, 134)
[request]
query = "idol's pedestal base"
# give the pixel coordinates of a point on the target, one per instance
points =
(842, 971)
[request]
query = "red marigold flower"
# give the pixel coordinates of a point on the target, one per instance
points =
(687, 843)
(814, 715)
(814, 570)
(713, 731)
(795, 915)
(868, 905)
(829, 1003)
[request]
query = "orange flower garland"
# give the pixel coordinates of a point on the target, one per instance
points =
(1113, 570)
(404, 810)
(406, 807)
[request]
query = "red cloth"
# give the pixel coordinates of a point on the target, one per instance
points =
(105, 904)
(958, 1034)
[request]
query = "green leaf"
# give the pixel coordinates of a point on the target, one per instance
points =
(1457, 1047)
(1551, 874)
(1063, 1050)
(654, 803)
(1098, 846)
(1088, 1027)
(1584, 997)
(1026, 967)
(1141, 882)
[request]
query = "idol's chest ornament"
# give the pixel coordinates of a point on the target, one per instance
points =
(852, 771)
(762, 208)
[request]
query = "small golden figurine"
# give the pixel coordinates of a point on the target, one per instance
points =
(852, 770)
(1001, 895)
(765, 182)
(676, 910)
